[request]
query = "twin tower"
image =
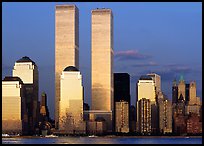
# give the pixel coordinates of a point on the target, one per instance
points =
(67, 54)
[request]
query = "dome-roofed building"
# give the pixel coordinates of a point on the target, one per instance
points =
(71, 68)
(25, 59)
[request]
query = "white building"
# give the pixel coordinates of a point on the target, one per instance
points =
(27, 71)
(12, 105)
(157, 80)
(71, 101)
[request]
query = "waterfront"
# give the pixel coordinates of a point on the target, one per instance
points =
(102, 140)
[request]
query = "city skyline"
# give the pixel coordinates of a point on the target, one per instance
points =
(131, 54)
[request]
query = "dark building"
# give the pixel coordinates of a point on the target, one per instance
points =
(121, 89)
(132, 118)
(187, 93)
(86, 106)
(194, 125)
(174, 92)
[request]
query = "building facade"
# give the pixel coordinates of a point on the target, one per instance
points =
(182, 88)
(71, 102)
(14, 118)
(66, 45)
(102, 61)
(144, 116)
(27, 71)
(122, 116)
(157, 80)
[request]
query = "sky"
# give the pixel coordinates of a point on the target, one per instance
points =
(165, 38)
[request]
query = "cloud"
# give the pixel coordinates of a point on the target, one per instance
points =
(130, 55)
(151, 63)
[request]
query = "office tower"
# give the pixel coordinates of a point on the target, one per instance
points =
(193, 104)
(122, 116)
(121, 90)
(146, 88)
(102, 62)
(27, 71)
(165, 114)
(71, 101)
(181, 88)
(144, 116)
(44, 112)
(66, 45)
(13, 106)
(174, 92)
(157, 80)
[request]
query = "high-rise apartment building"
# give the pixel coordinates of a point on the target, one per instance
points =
(66, 45)
(71, 102)
(13, 106)
(27, 71)
(102, 61)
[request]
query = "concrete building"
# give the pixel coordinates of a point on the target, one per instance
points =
(102, 61)
(165, 114)
(122, 116)
(66, 45)
(14, 118)
(71, 102)
(27, 71)
(157, 80)
(144, 116)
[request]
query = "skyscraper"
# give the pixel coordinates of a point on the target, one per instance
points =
(13, 106)
(174, 92)
(66, 45)
(71, 101)
(102, 61)
(157, 80)
(182, 88)
(27, 71)
(144, 116)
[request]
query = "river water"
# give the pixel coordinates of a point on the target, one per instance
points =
(100, 140)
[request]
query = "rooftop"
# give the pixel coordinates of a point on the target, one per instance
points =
(71, 68)
(25, 59)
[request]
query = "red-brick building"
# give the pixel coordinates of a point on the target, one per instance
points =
(194, 125)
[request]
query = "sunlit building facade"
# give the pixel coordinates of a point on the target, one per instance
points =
(157, 80)
(66, 45)
(144, 116)
(13, 106)
(27, 71)
(102, 61)
(71, 101)
(181, 88)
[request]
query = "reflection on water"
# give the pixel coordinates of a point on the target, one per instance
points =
(101, 140)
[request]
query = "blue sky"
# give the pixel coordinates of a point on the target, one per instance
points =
(165, 38)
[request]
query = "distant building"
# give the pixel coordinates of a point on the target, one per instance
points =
(174, 92)
(71, 102)
(14, 118)
(44, 112)
(194, 125)
(66, 45)
(132, 118)
(27, 71)
(102, 62)
(121, 93)
(165, 114)
(97, 126)
(122, 116)
(182, 88)
(144, 116)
